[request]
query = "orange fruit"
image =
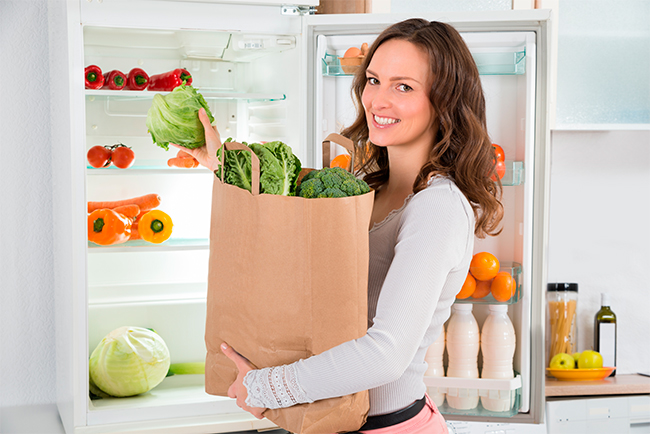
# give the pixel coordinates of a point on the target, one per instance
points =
(503, 286)
(342, 161)
(352, 52)
(482, 288)
(468, 287)
(484, 266)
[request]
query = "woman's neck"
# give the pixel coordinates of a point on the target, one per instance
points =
(404, 167)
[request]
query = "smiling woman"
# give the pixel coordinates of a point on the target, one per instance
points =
(422, 144)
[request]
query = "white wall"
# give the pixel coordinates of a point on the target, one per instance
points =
(599, 234)
(26, 293)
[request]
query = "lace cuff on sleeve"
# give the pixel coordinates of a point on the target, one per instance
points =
(275, 387)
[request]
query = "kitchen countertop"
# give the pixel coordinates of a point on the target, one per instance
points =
(628, 384)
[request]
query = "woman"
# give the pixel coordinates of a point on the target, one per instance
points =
(423, 146)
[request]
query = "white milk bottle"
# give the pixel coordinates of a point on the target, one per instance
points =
(462, 350)
(497, 347)
(433, 358)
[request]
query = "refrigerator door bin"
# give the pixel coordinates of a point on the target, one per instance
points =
(514, 269)
(488, 63)
(483, 388)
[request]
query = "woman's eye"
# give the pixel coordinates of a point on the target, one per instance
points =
(372, 80)
(404, 87)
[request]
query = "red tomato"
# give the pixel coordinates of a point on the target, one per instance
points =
(99, 156)
(498, 150)
(500, 167)
(123, 157)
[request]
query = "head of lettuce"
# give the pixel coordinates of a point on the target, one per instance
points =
(174, 118)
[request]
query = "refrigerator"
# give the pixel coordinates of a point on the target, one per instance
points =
(269, 71)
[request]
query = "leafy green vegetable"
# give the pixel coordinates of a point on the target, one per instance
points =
(174, 118)
(127, 362)
(279, 168)
(237, 168)
(331, 182)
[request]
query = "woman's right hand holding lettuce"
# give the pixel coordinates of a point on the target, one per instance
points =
(206, 155)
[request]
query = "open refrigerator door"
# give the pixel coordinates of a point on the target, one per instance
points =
(262, 69)
(510, 50)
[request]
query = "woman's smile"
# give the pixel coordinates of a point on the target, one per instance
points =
(383, 122)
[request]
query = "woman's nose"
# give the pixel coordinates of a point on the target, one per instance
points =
(381, 99)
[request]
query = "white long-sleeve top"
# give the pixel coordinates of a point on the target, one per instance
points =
(419, 259)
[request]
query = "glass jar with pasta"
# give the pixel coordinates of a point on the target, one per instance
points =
(561, 330)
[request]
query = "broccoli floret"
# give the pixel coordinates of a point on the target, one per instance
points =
(350, 187)
(332, 192)
(331, 182)
(310, 188)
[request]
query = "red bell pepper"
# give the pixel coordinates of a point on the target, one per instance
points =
(170, 80)
(114, 80)
(137, 79)
(93, 77)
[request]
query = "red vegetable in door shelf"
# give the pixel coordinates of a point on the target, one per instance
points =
(137, 79)
(170, 80)
(114, 80)
(93, 77)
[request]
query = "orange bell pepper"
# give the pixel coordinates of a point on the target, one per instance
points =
(106, 227)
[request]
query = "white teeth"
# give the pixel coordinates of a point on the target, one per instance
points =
(385, 121)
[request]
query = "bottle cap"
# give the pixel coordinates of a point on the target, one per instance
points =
(503, 308)
(562, 287)
(462, 307)
(604, 299)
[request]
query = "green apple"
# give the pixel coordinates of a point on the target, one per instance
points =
(590, 359)
(576, 356)
(562, 361)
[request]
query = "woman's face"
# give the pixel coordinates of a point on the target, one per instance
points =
(396, 96)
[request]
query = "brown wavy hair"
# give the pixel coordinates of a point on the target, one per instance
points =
(462, 149)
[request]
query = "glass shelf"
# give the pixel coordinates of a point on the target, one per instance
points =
(145, 167)
(207, 94)
(514, 173)
(477, 387)
(514, 269)
(488, 63)
(172, 244)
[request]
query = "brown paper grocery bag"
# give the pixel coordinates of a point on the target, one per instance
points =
(287, 279)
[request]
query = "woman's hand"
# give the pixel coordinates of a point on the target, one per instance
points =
(206, 155)
(237, 389)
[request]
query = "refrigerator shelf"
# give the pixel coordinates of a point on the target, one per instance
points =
(127, 95)
(146, 293)
(172, 244)
(185, 394)
(145, 167)
(509, 389)
(488, 63)
(514, 269)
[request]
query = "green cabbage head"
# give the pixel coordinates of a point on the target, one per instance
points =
(174, 118)
(129, 361)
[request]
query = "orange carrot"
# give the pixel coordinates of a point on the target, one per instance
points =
(182, 162)
(131, 211)
(146, 203)
(135, 234)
